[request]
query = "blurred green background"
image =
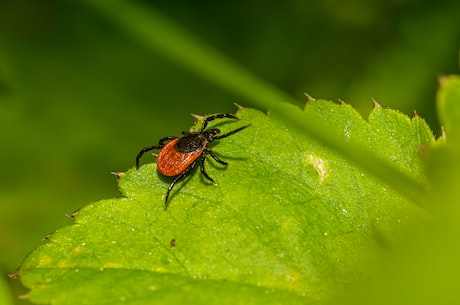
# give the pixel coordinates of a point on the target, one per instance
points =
(79, 97)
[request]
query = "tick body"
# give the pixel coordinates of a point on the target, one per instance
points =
(180, 155)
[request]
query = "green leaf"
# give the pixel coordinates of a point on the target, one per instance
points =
(290, 221)
(424, 267)
(448, 106)
(443, 164)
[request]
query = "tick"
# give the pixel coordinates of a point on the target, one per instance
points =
(178, 157)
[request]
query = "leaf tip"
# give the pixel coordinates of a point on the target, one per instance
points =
(443, 135)
(14, 275)
(238, 106)
(47, 237)
(309, 97)
(442, 79)
(376, 103)
(197, 117)
(73, 214)
(118, 174)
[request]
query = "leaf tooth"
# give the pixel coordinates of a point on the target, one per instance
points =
(309, 97)
(24, 297)
(118, 174)
(14, 275)
(442, 79)
(73, 214)
(443, 135)
(197, 117)
(238, 106)
(376, 103)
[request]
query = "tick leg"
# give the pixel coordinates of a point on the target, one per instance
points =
(205, 174)
(211, 153)
(217, 116)
(231, 132)
(177, 179)
(144, 150)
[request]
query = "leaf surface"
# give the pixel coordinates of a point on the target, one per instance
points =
(423, 267)
(290, 222)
